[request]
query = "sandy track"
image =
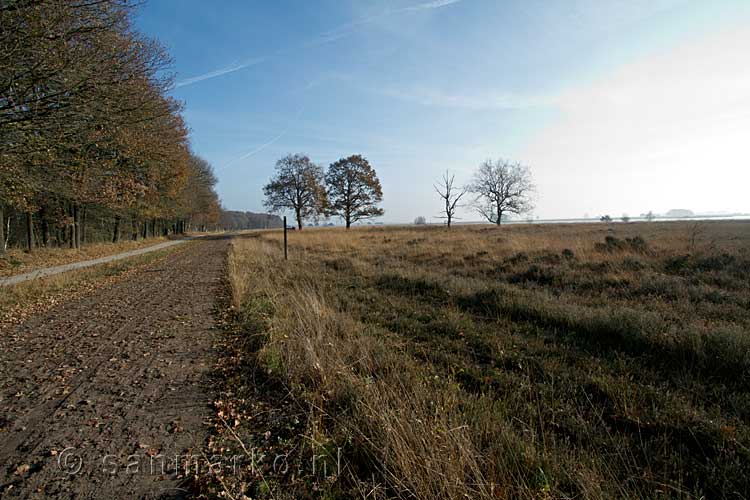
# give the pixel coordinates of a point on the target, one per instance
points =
(51, 271)
(118, 380)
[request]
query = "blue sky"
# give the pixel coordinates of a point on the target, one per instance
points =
(616, 106)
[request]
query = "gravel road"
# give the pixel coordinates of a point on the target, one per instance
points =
(106, 396)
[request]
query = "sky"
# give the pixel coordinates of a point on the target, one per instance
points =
(616, 106)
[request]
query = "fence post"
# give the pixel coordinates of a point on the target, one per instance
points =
(286, 255)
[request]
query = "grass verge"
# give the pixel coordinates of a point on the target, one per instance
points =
(490, 363)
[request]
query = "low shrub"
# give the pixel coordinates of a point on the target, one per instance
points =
(612, 244)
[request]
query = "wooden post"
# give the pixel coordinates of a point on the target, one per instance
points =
(286, 254)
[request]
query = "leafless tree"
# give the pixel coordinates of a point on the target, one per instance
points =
(420, 221)
(451, 195)
(502, 187)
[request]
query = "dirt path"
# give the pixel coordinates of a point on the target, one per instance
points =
(51, 271)
(105, 396)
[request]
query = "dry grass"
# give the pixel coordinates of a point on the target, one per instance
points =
(580, 361)
(17, 261)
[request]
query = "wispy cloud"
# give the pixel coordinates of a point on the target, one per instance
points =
(220, 72)
(326, 37)
(263, 146)
(436, 4)
(480, 100)
(350, 28)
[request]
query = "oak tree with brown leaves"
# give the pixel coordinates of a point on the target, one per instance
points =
(354, 190)
(297, 186)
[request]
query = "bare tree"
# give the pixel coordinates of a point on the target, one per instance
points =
(420, 220)
(502, 187)
(297, 186)
(451, 196)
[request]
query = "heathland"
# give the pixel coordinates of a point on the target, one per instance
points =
(522, 361)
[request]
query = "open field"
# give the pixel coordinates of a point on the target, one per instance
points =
(560, 361)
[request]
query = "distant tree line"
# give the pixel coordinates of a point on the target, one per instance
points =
(349, 189)
(232, 220)
(91, 145)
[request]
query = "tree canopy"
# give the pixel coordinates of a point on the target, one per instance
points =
(353, 190)
(297, 186)
(501, 188)
(86, 123)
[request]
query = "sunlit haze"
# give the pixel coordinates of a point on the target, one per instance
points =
(617, 107)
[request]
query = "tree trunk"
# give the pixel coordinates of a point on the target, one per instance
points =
(77, 225)
(116, 233)
(153, 228)
(71, 228)
(30, 231)
(7, 232)
(135, 228)
(449, 222)
(499, 217)
(45, 226)
(348, 222)
(82, 228)
(145, 229)
(299, 219)
(2, 230)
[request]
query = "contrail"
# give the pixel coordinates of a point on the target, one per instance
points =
(429, 5)
(219, 72)
(349, 28)
(329, 36)
(265, 145)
